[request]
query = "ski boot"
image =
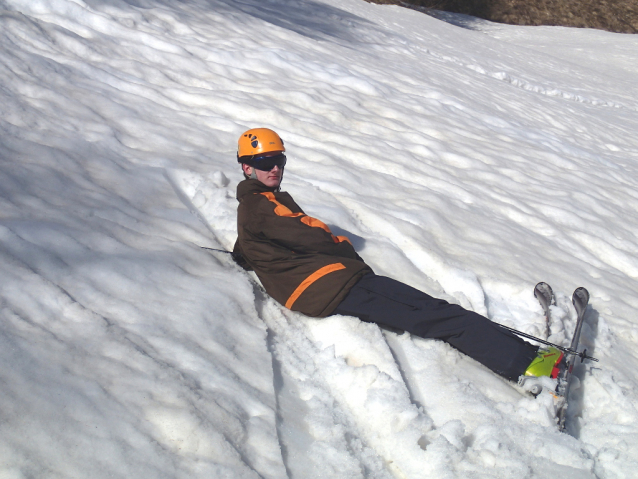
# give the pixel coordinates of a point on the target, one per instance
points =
(548, 362)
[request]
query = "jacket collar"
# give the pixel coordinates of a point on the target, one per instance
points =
(251, 186)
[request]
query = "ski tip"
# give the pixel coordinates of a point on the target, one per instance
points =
(543, 288)
(545, 295)
(580, 295)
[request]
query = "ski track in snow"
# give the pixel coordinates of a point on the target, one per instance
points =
(469, 162)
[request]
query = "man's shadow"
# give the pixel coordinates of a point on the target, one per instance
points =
(357, 241)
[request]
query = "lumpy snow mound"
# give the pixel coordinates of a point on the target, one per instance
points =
(465, 158)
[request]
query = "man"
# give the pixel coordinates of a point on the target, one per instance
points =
(306, 268)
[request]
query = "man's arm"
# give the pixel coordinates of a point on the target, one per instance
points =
(296, 231)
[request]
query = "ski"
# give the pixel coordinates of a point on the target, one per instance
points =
(545, 295)
(580, 299)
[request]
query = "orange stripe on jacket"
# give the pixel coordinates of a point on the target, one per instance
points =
(320, 273)
(282, 210)
(315, 223)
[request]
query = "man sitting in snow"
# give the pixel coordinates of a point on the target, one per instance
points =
(306, 268)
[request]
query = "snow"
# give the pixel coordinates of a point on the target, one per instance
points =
(465, 158)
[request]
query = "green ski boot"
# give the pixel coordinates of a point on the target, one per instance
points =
(547, 363)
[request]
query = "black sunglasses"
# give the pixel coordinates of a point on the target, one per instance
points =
(267, 163)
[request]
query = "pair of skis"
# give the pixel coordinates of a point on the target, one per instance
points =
(545, 295)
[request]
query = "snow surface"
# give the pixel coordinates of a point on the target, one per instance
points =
(465, 158)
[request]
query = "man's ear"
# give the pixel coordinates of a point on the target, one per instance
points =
(248, 170)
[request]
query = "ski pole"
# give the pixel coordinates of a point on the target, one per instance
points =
(216, 249)
(237, 257)
(582, 355)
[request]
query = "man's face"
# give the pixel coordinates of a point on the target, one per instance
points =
(270, 178)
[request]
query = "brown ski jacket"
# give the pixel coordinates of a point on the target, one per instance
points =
(298, 260)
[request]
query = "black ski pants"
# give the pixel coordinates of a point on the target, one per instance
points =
(390, 303)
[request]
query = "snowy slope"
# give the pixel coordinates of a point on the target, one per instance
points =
(465, 158)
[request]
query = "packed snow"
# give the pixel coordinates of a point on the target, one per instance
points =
(465, 158)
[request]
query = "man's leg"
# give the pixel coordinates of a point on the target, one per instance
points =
(387, 302)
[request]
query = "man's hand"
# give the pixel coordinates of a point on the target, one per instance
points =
(240, 260)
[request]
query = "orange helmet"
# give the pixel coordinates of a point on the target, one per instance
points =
(257, 142)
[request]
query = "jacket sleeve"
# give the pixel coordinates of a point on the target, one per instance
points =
(238, 257)
(298, 232)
